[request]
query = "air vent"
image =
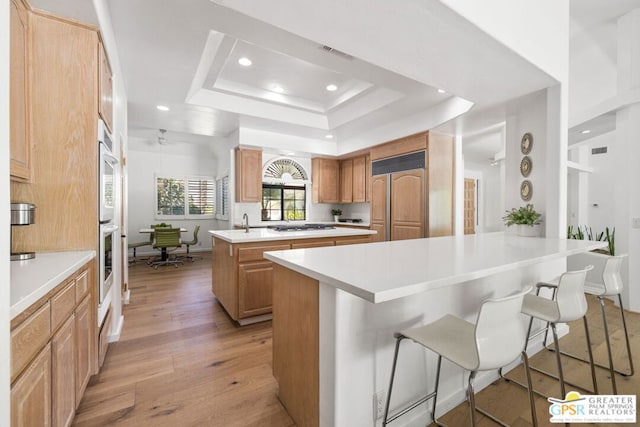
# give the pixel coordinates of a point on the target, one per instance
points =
(599, 150)
(336, 52)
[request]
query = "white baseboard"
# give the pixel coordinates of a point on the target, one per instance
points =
(115, 336)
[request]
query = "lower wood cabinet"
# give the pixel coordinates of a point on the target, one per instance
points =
(63, 373)
(31, 393)
(242, 279)
(52, 351)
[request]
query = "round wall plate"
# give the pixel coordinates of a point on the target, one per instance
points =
(525, 166)
(526, 190)
(526, 143)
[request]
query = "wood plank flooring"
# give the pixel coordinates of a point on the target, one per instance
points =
(181, 361)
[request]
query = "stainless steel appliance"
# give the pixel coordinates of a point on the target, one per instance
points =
(106, 172)
(22, 214)
(107, 241)
(398, 197)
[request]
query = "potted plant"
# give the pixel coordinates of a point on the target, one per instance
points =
(526, 218)
(336, 213)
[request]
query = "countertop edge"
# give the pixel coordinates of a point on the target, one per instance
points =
(293, 235)
(51, 282)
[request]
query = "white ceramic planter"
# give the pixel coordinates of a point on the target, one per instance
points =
(525, 230)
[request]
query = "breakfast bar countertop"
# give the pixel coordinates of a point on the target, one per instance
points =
(268, 234)
(34, 278)
(385, 271)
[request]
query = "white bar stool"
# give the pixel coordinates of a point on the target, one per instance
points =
(611, 285)
(496, 339)
(568, 304)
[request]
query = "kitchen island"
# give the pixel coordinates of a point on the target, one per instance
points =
(336, 309)
(242, 278)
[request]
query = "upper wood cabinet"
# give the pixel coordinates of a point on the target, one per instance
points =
(359, 181)
(20, 142)
(325, 177)
(105, 80)
(248, 175)
(346, 181)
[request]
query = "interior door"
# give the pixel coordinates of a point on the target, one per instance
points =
(379, 207)
(407, 205)
(469, 206)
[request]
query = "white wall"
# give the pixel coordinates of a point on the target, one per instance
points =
(5, 269)
(527, 114)
(178, 160)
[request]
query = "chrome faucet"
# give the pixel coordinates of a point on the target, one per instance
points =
(245, 217)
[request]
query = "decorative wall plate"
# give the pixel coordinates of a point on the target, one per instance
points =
(526, 143)
(526, 190)
(525, 166)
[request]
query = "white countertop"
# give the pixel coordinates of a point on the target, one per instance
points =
(267, 234)
(384, 271)
(34, 278)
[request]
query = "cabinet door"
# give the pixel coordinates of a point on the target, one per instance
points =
(379, 207)
(248, 175)
(83, 348)
(63, 369)
(346, 181)
(325, 175)
(106, 89)
(31, 394)
(359, 180)
(407, 205)
(255, 286)
(20, 145)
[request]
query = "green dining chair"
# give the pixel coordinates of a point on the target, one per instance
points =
(193, 242)
(165, 239)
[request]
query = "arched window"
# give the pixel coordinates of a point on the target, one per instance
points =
(284, 196)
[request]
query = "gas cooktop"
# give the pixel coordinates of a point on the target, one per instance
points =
(300, 227)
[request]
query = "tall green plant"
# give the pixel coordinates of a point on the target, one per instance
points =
(611, 239)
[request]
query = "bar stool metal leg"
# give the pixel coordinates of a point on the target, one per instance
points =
(626, 336)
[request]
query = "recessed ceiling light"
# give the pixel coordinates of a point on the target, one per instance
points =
(329, 136)
(277, 88)
(585, 131)
(244, 61)
(442, 91)
(162, 107)
(332, 87)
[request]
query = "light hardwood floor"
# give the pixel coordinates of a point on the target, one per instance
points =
(182, 362)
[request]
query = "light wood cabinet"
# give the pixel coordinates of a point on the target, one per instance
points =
(31, 393)
(407, 205)
(63, 374)
(255, 286)
(359, 183)
(248, 175)
(20, 142)
(325, 177)
(52, 353)
(242, 279)
(83, 347)
(379, 207)
(346, 181)
(105, 80)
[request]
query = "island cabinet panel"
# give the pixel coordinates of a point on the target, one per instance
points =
(325, 180)
(255, 287)
(63, 372)
(307, 245)
(31, 394)
(296, 344)
(248, 175)
(83, 347)
(20, 143)
(224, 284)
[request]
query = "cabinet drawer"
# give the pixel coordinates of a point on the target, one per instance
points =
(82, 285)
(29, 338)
(62, 304)
(307, 245)
(255, 253)
(353, 240)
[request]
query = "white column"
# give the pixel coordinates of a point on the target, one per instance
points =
(627, 198)
(458, 193)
